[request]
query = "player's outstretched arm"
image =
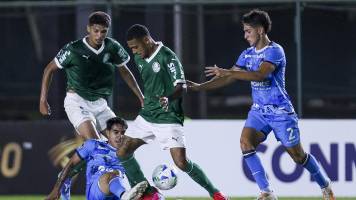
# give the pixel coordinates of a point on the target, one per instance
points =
(55, 193)
(46, 81)
(214, 83)
(131, 82)
(265, 69)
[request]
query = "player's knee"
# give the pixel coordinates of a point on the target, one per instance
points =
(299, 158)
(246, 144)
(112, 175)
(181, 164)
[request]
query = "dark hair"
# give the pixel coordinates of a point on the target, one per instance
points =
(100, 18)
(258, 18)
(116, 120)
(137, 31)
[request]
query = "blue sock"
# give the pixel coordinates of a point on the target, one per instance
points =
(116, 187)
(65, 189)
(312, 166)
(257, 170)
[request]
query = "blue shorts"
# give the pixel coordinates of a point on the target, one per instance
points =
(93, 191)
(284, 126)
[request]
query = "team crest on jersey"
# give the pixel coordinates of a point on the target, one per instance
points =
(106, 57)
(156, 67)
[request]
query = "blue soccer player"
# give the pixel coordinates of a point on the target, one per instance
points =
(264, 64)
(104, 171)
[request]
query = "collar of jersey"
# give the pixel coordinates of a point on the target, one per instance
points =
(160, 45)
(92, 49)
(264, 48)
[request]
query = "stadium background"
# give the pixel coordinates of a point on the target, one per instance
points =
(318, 38)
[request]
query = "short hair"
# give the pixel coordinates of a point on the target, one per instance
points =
(137, 31)
(116, 120)
(258, 17)
(100, 18)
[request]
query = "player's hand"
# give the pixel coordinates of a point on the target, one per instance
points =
(193, 86)
(164, 103)
(45, 109)
(54, 195)
(216, 71)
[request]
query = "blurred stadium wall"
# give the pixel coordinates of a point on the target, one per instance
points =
(318, 38)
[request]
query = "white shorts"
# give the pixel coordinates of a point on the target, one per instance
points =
(79, 110)
(167, 135)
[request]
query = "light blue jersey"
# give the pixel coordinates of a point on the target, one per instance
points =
(269, 96)
(272, 108)
(101, 158)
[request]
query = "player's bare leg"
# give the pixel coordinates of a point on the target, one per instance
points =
(87, 130)
(133, 170)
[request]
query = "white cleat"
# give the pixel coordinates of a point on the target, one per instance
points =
(136, 192)
(267, 196)
(328, 193)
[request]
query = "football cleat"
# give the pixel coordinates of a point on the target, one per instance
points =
(219, 196)
(136, 192)
(267, 196)
(155, 195)
(328, 194)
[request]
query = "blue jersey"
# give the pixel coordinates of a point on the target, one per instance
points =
(101, 158)
(269, 96)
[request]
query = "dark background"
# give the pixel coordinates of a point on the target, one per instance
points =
(31, 37)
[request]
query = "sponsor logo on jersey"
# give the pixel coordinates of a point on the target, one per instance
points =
(63, 56)
(122, 53)
(156, 67)
(261, 85)
(172, 68)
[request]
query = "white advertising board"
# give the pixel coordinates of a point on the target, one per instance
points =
(214, 145)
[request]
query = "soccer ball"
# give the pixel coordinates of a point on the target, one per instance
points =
(165, 177)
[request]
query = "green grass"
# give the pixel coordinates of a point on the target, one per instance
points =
(28, 197)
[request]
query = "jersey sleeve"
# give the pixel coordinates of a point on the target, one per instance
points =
(86, 149)
(63, 57)
(241, 61)
(120, 55)
(274, 55)
(175, 70)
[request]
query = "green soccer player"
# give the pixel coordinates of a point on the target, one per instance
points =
(89, 64)
(162, 116)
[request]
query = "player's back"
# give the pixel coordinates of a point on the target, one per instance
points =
(269, 95)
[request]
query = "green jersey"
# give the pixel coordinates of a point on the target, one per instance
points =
(90, 72)
(160, 74)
